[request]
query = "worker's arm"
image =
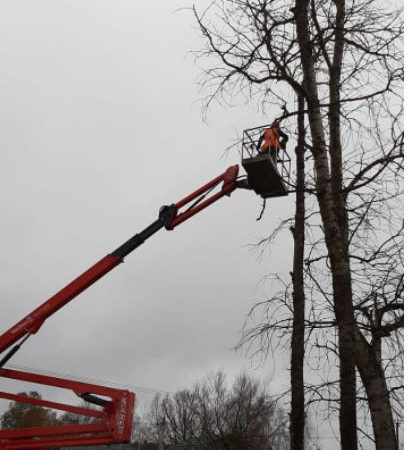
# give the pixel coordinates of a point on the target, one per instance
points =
(284, 138)
(261, 139)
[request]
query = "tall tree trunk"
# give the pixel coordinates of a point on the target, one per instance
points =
(353, 345)
(297, 418)
(353, 348)
(340, 268)
(342, 283)
(374, 381)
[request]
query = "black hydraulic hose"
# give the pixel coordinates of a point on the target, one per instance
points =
(13, 351)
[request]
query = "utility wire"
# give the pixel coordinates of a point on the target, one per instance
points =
(85, 379)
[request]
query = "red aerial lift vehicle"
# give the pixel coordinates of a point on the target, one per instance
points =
(112, 421)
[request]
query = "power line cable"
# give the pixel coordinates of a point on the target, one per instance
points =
(85, 379)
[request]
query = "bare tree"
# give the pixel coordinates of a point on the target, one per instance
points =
(343, 56)
(179, 414)
(243, 418)
(215, 417)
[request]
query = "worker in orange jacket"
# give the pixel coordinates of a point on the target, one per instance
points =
(272, 139)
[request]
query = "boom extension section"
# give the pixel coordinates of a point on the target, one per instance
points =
(114, 425)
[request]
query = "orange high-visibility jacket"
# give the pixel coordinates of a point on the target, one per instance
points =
(271, 136)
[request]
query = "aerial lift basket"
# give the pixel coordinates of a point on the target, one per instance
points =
(266, 176)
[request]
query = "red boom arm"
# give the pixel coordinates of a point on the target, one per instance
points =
(115, 419)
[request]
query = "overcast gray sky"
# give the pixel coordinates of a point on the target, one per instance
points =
(100, 126)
